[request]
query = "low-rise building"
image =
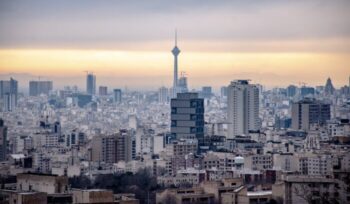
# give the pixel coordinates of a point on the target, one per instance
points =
(184, 195)
(27, 198)
(47, 183)
(258, 162)
(92, 196)
(306, 189)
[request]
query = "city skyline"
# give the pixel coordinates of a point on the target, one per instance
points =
(114, 78)
(166, 102)
(274, 44)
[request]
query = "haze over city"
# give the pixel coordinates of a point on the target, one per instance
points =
(128, 43)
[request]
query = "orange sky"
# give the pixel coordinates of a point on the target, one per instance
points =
(153, 69)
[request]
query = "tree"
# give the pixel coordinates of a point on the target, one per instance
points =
(303, 191)
(169, 199)
(80, 182)
(143, 184)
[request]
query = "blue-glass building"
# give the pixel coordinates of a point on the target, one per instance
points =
(91, 84)
(305, 91)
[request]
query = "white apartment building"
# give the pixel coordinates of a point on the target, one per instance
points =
(314, 164)
(242, 108)
(258, 162)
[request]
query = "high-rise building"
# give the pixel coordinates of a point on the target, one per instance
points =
(3, 140)
(182, 84)
(9, 102)
(103, 90)
(103, 148)
(117, 95)
(329, 88)
(309, 111)
(10, 86)
(187, 116)
(40, 87)
(206, 92)
(242, 108)
(176, 52)
(223, 91)
(91, 84)
(291, 90)
(9, 93)
(125, 146)
(114, 148)
(163, 95)
(307, 91)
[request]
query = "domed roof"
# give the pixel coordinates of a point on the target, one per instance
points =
(239, 160)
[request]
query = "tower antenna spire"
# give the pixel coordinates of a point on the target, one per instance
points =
(176, 52)
(175, 37)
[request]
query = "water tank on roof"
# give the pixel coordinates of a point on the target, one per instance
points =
(239, 160)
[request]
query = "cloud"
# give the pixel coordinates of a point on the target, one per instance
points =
(91, 24)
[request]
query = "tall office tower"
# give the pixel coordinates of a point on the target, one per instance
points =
(206, 92)
(103, 90)
(309, 112)
(176, 52)
(9, 102)
(242, 108)
(125, 146)
(117, 95)
(223, 91)
(91, 83)
(3, 141)
(291, 90)
(329, 88)
(9, 87)
(163, 94)
(40, 87)
(182, 84)
(103, 148)
(187, 116)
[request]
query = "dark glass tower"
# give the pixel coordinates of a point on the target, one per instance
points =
(91, 84)
(187, 116)
(117, 95)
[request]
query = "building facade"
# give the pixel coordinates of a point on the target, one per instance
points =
(242, 108)
(40, 87)
(3, 140)
(117, 93)
(9, 94)
(102, 90)
(187, 116)
(309, 112)
(91, 84)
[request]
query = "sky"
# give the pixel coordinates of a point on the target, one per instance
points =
(128, 43)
